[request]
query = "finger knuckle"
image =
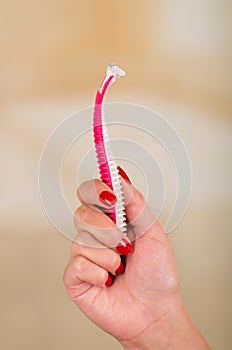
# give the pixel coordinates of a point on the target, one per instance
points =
(85, 240)
(75, 249)
(81, 213)
(80, 265)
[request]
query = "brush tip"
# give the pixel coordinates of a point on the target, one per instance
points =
(115, 70)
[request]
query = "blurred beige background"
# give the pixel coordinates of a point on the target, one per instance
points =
(177, 56)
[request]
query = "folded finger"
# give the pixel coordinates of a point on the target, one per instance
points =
(96, 192)
(97, 253)
(102, 228)
(81, 270)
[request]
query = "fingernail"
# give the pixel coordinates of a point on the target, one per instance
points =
(123, 175)
(120, 269)
(124, 247)
(109, 281)
(107, 198)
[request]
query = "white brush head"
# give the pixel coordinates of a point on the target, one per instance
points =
(114, 70)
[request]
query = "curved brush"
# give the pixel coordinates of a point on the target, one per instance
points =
(106, 162)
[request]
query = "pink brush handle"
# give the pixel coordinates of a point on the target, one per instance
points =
(99, 141)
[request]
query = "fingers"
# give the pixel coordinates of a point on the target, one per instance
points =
(81, 270)
(102, 228)
(90, 267)
(100, 255)
(97, 193)
(138, 212)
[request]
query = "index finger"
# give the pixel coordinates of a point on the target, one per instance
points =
(97, 193)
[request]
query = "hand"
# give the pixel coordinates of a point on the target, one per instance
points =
(139, 304)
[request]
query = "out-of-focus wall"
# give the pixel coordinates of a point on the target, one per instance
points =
(177, 56)
(180, 50)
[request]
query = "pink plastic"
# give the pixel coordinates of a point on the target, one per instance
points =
(104, 168)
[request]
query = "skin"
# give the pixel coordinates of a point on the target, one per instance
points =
(143, 308)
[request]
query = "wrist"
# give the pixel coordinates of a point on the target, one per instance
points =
(174, 331)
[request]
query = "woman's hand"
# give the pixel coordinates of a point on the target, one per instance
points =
(140, 307)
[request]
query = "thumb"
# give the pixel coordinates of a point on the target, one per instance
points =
(138, 212)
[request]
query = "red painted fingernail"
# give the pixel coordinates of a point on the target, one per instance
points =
(109, 281)
(123, 175)
(120, 269)
(124, 247)
(107, 198)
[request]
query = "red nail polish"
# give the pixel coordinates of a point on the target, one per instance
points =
(124, 247)
(123, 175)
(107, 198)
(109, 281)
(120, 269)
